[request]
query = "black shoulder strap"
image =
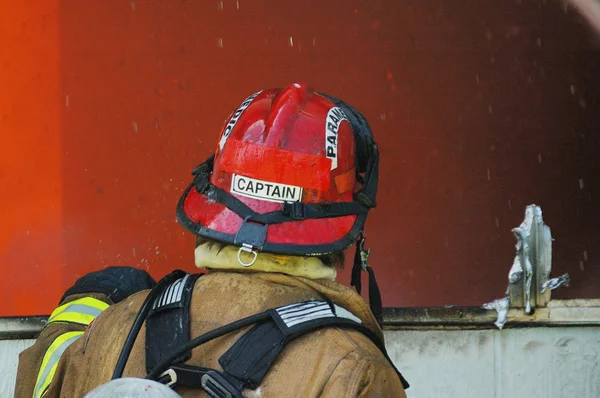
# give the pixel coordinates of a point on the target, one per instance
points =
(251, 357)
(168, 322)
(247, 362)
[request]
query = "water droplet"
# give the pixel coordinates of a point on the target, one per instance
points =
(314, 41)
(220, 5)
(509, 205)
(291, 42)
(581, 267)
(489, 177)
(134, 127)
(477, 78)
(585, 257)
(67, 100)
(497, 222)
(539, 41)
(382, 116)
(220, 42)
(572, 89)
(132, 4)
(581, 183)
(237, 5)
(540, 157)
(490, 109)
(582, 103)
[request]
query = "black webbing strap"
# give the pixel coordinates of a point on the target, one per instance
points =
(360, 264)
(212, 192)
(140, 319)
(369, 191)
(168, 322)
(251, 357)
(297, 211)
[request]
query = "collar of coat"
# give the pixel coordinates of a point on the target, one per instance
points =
(225, 258)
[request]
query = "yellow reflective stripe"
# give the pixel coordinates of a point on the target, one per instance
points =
(50, 361)
(82, 311)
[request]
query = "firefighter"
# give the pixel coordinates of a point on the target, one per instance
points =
(286, 192)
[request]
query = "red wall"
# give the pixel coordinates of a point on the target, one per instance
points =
(480, 108)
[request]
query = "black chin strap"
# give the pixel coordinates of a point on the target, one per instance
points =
(361, 257)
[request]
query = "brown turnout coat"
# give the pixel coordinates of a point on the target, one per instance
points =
(330, 362)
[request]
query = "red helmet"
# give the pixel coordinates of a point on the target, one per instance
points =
(294, 172)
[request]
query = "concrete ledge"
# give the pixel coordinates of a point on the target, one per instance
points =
(21, 327)
(579, 312)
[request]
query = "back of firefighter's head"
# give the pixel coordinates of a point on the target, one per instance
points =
(294, 173)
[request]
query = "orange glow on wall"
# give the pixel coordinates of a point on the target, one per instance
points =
(31, 183)
(479, 109)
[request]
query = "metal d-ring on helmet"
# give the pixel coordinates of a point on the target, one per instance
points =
(295, 172)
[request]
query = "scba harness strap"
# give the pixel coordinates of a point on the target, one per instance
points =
(247, 362)
(168, 322)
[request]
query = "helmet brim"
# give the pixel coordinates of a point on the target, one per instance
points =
(311, 237)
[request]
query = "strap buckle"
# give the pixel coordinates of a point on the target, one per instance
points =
(364, 254)
(365, 199)
(296, 210)
(251, 233)
(217, 387)
(172, 376)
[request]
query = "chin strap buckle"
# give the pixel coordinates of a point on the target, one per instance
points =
(364, 254)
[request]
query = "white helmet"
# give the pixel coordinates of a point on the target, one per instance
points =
(130, 387)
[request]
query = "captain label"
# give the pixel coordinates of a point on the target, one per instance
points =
(265, 190)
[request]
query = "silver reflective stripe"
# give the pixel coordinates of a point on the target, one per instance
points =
(54, 358)
(295, 314)
(81, 309)
(181, 286)
(309, 317)
(344, 313)
(299, 306)
(172, 294)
